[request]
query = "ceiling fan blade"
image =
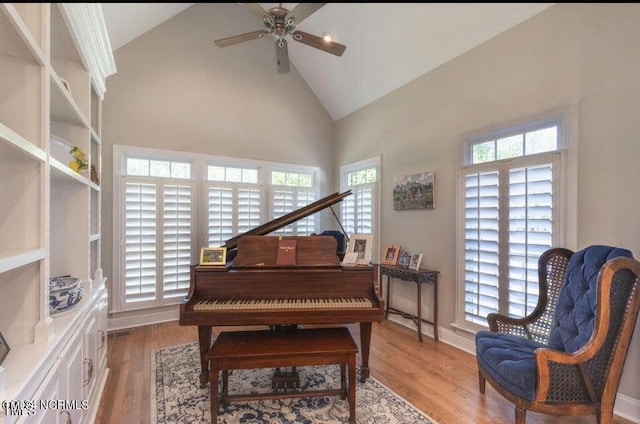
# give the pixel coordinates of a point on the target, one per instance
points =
(302, 11)
(257, 9)
(282, 56)
(319, 43)
(224, 42)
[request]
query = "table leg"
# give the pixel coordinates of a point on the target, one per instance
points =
(386, 310)
(435, 310)
(419, 310)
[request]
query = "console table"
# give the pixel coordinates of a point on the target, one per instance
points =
(419, 277)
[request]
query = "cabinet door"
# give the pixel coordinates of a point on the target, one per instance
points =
(102, 334)
(52, 389)
(90, 363)
(73, 375)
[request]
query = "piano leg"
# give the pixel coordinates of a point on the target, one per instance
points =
(365, 342)
(204, 339)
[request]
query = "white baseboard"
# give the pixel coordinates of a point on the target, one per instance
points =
(625, 407)
(141, 318)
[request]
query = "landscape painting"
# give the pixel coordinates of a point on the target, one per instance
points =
(413, 192)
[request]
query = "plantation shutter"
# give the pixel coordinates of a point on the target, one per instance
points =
(506, 281)
(348, 214)
(177, 240)
(530, 232)
(140, 246)
(305, 226)
(232, 210)
(282, 204)
(481, 245)
(249, 206)
(220, 222)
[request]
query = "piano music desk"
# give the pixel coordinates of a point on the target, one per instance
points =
(420, 276)
(282, 348)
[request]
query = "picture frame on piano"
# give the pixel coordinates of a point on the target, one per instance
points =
(215, 256)
(361, 244)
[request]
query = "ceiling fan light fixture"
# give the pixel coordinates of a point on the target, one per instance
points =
(280, 22)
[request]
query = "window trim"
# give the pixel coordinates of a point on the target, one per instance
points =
(565, 116)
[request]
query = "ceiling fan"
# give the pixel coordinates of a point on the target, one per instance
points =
(281, 22)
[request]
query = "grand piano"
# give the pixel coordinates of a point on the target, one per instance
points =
(254, 290)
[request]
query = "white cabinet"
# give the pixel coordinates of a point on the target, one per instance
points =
(54, 58)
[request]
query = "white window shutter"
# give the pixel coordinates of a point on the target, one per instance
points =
(221, 210)
(530, 233)
(177, 240)
(248, 207)
(283, 204)
(481, 245)
(140, 244)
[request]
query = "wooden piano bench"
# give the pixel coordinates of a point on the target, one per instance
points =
(282, 348)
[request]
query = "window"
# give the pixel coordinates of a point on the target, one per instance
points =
(291, 191)
(359, 210)
(511, 208)
(234, 202)
(156, 247)
(167, 205)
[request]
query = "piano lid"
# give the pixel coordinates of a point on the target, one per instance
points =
(289, 218)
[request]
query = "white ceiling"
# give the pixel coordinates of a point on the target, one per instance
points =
(388, 44)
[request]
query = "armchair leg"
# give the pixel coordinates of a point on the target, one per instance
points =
(481, 382)
(521, 415)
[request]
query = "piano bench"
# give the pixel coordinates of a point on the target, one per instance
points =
(282, 348)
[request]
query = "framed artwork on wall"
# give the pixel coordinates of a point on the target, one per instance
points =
(414, 192)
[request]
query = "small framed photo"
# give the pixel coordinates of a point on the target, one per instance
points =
(213, 255)
(391, 254)
(361, 244)
(414, 263)
(404, 259)
(4, 349)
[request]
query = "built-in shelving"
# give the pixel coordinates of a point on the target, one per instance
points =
(49, 213)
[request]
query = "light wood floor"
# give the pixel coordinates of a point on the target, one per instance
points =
(437, 378)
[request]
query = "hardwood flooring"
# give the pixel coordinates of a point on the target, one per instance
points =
(435, 377)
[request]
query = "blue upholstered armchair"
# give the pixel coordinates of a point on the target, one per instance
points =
(575, 367)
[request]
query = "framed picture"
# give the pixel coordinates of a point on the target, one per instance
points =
(213, 255)
(413, 192)
(404, 259)
(414, 263)
(391, 254)
(4, 349)
(361, 244)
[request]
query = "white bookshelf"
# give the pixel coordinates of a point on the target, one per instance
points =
(49, 213)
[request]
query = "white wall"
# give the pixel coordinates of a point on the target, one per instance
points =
(570, 52)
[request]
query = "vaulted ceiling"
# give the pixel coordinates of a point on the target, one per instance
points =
(388, 44)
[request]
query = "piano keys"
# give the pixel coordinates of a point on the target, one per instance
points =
(258, 304)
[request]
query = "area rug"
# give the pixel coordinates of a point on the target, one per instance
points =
(176, 396)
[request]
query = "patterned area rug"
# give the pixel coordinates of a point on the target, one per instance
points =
(177, 397)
